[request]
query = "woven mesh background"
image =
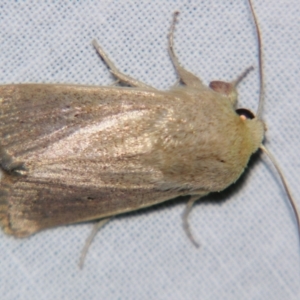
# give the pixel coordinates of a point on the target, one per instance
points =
(249, 242)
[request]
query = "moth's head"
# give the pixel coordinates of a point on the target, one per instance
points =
(256, 127)
(229, 90)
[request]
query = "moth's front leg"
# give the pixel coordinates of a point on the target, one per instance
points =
(118, 74)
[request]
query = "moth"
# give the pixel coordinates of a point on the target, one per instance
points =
(71, 153)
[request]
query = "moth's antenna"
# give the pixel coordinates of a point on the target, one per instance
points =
(291, 199)
(260, 63)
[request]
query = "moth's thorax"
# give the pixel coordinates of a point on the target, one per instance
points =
(205, 144)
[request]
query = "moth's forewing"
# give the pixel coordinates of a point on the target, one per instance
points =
(75, 153)
(81, 159)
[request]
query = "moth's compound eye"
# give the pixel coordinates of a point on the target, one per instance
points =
(245, 113)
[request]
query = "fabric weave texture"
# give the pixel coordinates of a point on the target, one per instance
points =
(248, 234)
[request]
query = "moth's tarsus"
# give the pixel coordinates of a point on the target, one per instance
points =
(90, 239)
(186, 225)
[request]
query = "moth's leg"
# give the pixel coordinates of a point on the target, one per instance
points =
(119, 75)
(185, 76)
(185, 216)
(90, 238)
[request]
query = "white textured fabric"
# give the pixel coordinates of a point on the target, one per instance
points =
(249, 242)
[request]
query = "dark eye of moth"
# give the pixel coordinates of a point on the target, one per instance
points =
(248, 114)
